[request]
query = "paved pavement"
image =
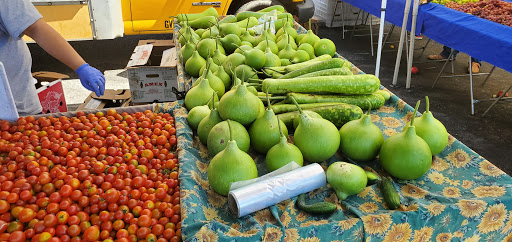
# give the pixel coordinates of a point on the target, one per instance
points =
(490, 136)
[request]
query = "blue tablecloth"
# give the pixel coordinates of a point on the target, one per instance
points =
(475, 36)
(394, 11)
(478, 37)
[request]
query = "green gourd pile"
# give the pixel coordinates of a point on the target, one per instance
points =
(251, 89)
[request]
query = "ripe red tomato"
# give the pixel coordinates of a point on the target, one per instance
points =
(26, 215)
(92, 233)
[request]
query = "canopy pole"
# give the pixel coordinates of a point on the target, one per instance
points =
(381, 33)
(413, 37)
(402, 37)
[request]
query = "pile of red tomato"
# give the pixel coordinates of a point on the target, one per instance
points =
(96, 177)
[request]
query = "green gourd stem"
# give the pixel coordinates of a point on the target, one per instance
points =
(268, 99)
(238, 47)
(216, 46)
(309, 24)
(212, 101)
(414, 114)
(428, 104)
(369, 107)
(247, 26)
(296, 104)
(253, 84)
(184, 36)
(230, 132)
(279, 125)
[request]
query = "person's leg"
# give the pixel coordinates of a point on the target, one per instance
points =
(444, 54)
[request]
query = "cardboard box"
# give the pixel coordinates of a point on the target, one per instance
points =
(152, 72)
(110, 99)
(50, 95)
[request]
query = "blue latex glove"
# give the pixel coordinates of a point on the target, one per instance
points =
(91, 78)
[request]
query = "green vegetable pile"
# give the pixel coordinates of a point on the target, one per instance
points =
(239, 63)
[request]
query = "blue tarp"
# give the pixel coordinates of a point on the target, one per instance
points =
(478, 37)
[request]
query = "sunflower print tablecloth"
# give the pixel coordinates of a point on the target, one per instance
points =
(463, 197)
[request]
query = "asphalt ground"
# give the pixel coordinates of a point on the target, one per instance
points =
(489, 136)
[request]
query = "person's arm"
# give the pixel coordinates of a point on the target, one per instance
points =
(53, 43)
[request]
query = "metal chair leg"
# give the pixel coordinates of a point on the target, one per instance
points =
(425, 47)
(497, 100)
(440, 72)
(342, 17)
(389, 34)
(355, 24)
(490, 72)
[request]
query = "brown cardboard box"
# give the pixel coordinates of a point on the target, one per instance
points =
(47, 76)
(111, 99)
(152, 71)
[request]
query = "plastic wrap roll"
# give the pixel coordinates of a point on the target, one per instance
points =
(270, 191)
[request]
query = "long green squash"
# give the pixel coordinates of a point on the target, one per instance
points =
(328, 64)
(363, 101)
(344, 71)
(284, 108)
(353, 84)
(338, 114)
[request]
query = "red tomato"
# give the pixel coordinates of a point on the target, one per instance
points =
(92, 234)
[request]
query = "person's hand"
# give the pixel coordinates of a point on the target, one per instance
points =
(91, 78)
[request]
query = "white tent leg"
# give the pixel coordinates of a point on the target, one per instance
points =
(401, 45)
(411, 47)
(381, 33)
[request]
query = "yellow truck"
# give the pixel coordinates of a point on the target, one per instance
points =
(108, 19)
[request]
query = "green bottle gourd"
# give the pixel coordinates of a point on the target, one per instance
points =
(239, 105)
(271, 59)
(196, 114)
(432, 131)
(204, 127)
(317, 139)
(346, 179)
(224, 77)
(361, 139)
(283, 152)
(287, 53)
(264, 131)
(219, 136)
(194, 64)
(310, 37)
(230, 165)
(406, 155)
(199, 95)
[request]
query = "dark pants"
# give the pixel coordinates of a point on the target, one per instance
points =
(446, 52)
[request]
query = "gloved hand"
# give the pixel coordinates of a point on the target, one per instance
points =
(91, 78)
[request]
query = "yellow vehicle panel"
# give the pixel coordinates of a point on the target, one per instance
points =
(71, 21)
(155, 16)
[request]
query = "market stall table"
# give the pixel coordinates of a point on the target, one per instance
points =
(463, 196)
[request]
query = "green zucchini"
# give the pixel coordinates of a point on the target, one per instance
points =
(328, 64)
(353, 84)
(363, 101)
(330, 72)
(278, 8)
(317, 208)
(228, 19)
(372, 178)
(284, 108)
(247, 14)
(338, 114)
(389, 193)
